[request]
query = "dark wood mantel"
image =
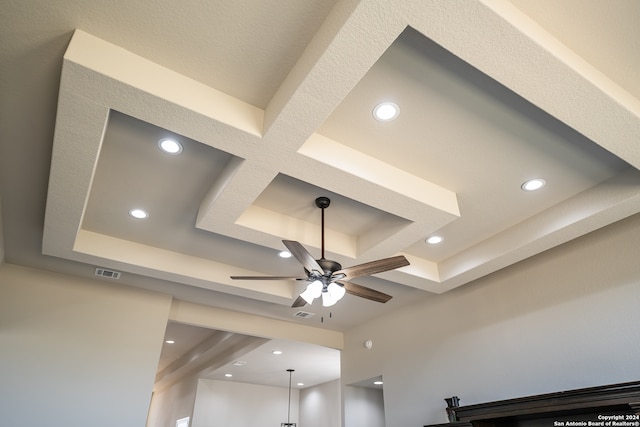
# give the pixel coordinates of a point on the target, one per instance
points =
(555, 409)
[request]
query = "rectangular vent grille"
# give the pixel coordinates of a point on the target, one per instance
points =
(109, 274)
(303, 314)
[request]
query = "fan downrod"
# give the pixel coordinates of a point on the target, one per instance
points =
(322, 202)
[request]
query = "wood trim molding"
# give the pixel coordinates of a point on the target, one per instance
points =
(593, 397)
(623, 397)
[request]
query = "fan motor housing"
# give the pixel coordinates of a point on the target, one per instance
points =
(329, 266)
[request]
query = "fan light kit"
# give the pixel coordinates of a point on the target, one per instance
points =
(326, 278)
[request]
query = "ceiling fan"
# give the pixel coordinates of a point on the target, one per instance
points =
(327, 278)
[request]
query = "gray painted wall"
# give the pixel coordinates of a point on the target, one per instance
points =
(558, 321)
(226, 403)
(321, 406)
(76, 353)
(214, 403)
(173, 404)
(1, 233)
(363, 407)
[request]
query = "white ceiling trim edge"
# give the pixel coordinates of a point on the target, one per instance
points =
(243, 323)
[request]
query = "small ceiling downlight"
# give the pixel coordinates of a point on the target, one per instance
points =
(386, 111)
(284, 254)
(139, 213)
(533, 184)
(170, 146)
(434, 240)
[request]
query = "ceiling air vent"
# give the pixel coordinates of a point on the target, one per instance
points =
(303, 314)
(109, 274)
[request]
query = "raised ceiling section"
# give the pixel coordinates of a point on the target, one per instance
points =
(482, 110)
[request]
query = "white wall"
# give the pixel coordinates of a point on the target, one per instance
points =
(173, 403)
(321, 406)
(363, 407)
(76, 352)
(225, 403)
(565, 319)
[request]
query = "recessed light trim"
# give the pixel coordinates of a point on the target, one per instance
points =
(533, 184)
(434, 240)
(170, 146)
(139, 213)
(386, 111)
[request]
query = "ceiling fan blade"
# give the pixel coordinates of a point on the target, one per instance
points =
(299, 302)
(373, 267)
(267, 278)
(303, 256)
(364, 292)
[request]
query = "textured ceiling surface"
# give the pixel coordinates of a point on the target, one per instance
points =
(273, 108)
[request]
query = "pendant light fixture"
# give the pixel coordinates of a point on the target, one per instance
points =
(289, 423)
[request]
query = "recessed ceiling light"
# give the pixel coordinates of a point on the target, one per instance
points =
(138, 213)
(533, 184)
(276, 352)
(386, 111)
(378, 382)
(228, 375)
(284, 254)
(434, 240)
(170, 146)
(300, 384)
(170, 341)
